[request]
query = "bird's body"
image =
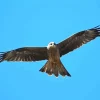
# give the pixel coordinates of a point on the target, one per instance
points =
(54, 64)
(52, 52)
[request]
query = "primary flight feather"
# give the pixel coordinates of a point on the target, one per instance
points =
(52, 52)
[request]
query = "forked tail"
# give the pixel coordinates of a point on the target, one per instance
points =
(54, 68)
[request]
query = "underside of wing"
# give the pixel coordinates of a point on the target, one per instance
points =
(78, 40)
(25, 54)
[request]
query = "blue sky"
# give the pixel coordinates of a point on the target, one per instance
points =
(36, 23)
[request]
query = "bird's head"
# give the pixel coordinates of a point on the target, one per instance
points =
(51, 45)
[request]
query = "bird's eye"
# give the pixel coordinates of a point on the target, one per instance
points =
(50, 43)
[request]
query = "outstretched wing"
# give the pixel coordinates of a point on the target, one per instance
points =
(78, 40)
(25, 54)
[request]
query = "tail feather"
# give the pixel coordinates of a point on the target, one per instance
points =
(54, 68)
(64, 72)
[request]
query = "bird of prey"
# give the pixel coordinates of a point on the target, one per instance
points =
(52, 52)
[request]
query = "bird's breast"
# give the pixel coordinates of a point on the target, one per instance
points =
(53, 54)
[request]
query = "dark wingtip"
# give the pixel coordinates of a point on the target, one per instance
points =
(2, 54)
(97, 30)
(97, 27)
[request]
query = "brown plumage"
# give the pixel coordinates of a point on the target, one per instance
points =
(25, 54)
(78, 39)
(52, 52)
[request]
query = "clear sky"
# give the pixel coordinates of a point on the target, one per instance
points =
(36, 23)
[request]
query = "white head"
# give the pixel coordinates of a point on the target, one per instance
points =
(51, 44)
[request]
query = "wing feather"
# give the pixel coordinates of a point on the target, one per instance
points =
(78, 40)
(25, 54)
